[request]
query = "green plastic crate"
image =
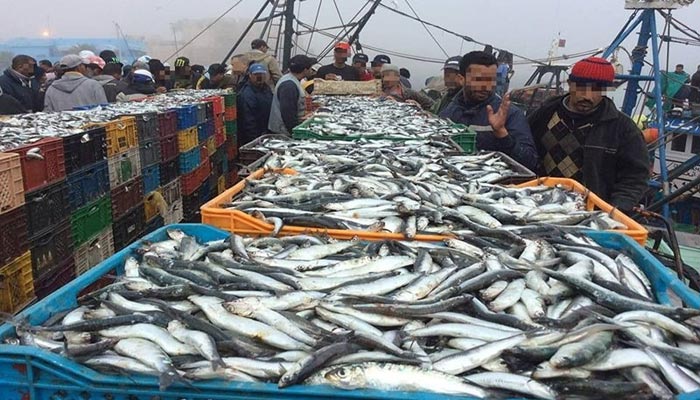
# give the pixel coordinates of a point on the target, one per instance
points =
(467, 141)
(229, 100)
(231, 127)
(88, 221)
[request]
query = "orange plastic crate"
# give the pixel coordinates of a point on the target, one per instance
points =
(593, 202)
(242, 223)
(231, 114)
(11, 182)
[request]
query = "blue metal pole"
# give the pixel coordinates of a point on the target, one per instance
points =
(647, 18)
(658, 99)
(622, 36)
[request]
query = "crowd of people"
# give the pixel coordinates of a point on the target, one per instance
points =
(580, 135)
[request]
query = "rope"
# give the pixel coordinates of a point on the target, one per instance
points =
(427, 30)
(318, 11)
(464, 37)
(205, 29)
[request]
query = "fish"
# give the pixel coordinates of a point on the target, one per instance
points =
(527, 318)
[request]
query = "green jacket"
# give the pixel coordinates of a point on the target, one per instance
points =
(444, 101)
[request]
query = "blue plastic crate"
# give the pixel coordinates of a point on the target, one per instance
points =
(88, 184)
(151, 178)
(189, 161)
(205, 131)
(186, 117)
(32, 373)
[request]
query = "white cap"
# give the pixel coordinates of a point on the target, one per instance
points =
(144, 72)
(144, 59)
(86, 55)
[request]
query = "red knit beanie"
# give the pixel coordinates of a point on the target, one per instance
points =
(593, 70)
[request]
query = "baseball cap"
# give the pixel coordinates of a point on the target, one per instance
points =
(95, 60)
(257, 69)
(110, 57)
(390, 67)
(302, 61)
(144, 59)
(143, 75)
(182, 62)
(381, 59)
(70, 61)
(85, 54)
(342, 46)
(216, 69)
(359, 57)
(452, 63)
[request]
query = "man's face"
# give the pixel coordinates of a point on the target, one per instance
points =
(93, 71)
(259, 79)
(340, 56)
(238, 67)
(453, 79)
(377, 70)
(27, 69)
(360, 65)
(82, 68)
(679, 69)
(585, 96)
(479, 82)
(216, 78)
(46, 68)
(265, 49)
(390, 79)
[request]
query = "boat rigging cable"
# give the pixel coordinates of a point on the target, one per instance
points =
(204, 30)
(427, 30)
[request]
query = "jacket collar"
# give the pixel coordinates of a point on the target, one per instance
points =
(609, 111)
(473, 108)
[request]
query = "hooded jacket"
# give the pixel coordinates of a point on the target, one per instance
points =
(615, 157)
(137, 91)
(268, 61)
(23, 89)
(73, 90)
(518, 144)
(111, 86)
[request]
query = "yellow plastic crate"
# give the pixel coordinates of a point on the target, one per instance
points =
(211, 146)
(221, 184)
(16, 284)
(187, 139)
(11, 183)
(121, 135)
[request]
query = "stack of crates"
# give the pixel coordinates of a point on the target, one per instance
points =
(126, 184)
(231, 131)
(48, 230)
(160, 206)
(219, 158)
(87, 168)
(16, 277)
(150, 153)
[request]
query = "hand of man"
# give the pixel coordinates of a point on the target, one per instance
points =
(413, 102)
(498, 120)
(331, 77)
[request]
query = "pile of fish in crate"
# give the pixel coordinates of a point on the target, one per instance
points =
(96, 180)
(488, 291)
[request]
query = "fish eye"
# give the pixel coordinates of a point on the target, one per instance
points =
(341, 373)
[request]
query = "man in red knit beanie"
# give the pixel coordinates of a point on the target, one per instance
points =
(583, 136)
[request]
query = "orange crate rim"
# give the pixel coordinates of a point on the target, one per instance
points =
(242, 223)
(634, 230)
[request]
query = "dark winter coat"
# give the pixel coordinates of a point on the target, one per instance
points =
(616, 159)
(518, 144)
(24, 91)
(254, 106)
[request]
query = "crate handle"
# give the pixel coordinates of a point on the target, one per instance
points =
(93, 210)
(85, 138)
(95, 243)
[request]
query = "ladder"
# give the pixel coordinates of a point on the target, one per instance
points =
(273, 28)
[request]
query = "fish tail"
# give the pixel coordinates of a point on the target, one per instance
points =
(218, 363)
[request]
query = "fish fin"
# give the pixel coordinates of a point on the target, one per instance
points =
(218, 363)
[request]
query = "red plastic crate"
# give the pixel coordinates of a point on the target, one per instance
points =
(190, 182)
(219, 122)
(231, 114)
(168, 148)
(167, 123)
(231, 149)
(44, 165)
(203, 153)
(218, 103)
(219, 137)
(232, 177)
(126, 197)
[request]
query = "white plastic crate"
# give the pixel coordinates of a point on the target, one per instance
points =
(171, 191)
(175, 213)
(97, 249)
(124, 167)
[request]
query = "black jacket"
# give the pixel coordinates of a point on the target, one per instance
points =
(518, 144)
(254, 106)
(9, 105)
(27, 95)
(616, 159)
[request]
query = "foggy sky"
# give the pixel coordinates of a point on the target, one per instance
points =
(526, 27)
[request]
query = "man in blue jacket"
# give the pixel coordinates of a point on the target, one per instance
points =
(254, 102)
(499, 126)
